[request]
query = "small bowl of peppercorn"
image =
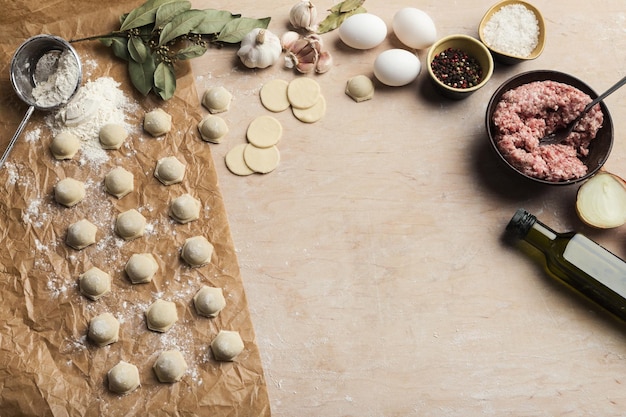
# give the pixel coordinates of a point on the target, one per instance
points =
(459, 65)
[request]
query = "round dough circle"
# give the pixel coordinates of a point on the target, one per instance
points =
(104, 329)
(112, 136)
(161, 315)
(64, 145)
(303, 92)
(216, 99)
(170, 366)
(235, 161)
(274, 95)
(227, 345)
(157, 122)
(141, 268)
(312, 114)
(261, 160)
(209, 301)
(213, 129)
(123, 378)
(197, 251)
(69, 192)
(185, 209)
(94, 283)
(130, 224)
(119, 182)
(264, 131)
(81, 234)
(169, 170)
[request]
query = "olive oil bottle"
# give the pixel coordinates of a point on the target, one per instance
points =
(578, 261)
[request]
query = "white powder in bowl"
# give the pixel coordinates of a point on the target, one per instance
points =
(513, 30)
(56, 77)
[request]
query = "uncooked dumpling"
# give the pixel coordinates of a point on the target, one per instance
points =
(209, 301)
(112, 136)
(81, 234)
(119, 182)
(103, 329)
(217, 99)
(197, 251)
(169, 170)
(170, 366)
(213, 129)
(123, 378)
(185, 209)
(360, 88)
(161, 315)
(94, 283)
(157, 122)
(141, 268)
(227, 345)
(130, 224)
(64, 145)
(69, 192)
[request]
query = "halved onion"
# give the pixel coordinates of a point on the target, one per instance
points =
(601, 201)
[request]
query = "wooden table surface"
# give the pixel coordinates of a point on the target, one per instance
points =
(373, 258)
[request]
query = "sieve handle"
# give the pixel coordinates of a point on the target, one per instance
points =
(16, 135)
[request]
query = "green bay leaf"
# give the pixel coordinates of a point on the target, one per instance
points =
(118, 45)
(191, 51)
(214, 21)
(182, 24)
(167, 12)
(331, 22)
(350, 5)
(164, 81)
(237, 29)
(142, 74)
(137, 49)
(143, 15)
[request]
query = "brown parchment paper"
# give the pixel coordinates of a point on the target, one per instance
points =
(47, 366)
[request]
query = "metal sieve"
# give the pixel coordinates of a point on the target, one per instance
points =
(23, 67)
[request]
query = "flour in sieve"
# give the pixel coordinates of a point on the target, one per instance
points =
(97, 103)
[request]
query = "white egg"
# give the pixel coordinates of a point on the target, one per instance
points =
(363, 31)
(414, 28)
(396, 67)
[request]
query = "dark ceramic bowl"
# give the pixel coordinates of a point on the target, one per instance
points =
(600, 147)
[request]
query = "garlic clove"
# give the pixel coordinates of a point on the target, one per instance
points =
(305, 67)
(288, 39)
(303, 15)
(324, 62)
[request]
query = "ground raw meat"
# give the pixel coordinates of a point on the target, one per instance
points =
(529, 112)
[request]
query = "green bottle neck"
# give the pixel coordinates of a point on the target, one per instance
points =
(527, 227)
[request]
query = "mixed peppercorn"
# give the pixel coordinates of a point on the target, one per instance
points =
(456, 68)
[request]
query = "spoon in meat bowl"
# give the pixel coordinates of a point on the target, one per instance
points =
(561, 134)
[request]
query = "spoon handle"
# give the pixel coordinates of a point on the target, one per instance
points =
(605, 94)
(16, 135)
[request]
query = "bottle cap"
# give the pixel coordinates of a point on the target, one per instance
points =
(521, 222)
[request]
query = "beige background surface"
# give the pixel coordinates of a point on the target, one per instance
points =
(378, 281)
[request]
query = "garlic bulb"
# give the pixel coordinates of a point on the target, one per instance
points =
(303, 15)
(260, 48)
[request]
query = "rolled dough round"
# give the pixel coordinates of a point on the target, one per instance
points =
(312, 114)
(235, 161)
(264, 131)
(274, 95)
(303, 92)
(261, 160)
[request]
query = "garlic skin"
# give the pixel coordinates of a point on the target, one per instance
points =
(303, 15)
(288, 39)
(306, 55)
(260, 48)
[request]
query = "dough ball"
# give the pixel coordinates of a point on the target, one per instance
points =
(313, 113)
(213, 129)
(112, 136)
(235, 162)
(161, 315)
(197, 251)
(227, 345)
(209, 301)
(69, 192)
(303, 92)
(261, 160)
(157, 122)
(119, 182)
(103, 329)
(81, 234)
(64, 145)
(123, 378)
(130, 224)
(217, 99)
(141, 268)
(185, 209)
(360, 88)
(94, 283)
(264, 131)
(274, 95)
(169, 170)
(170, 366)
